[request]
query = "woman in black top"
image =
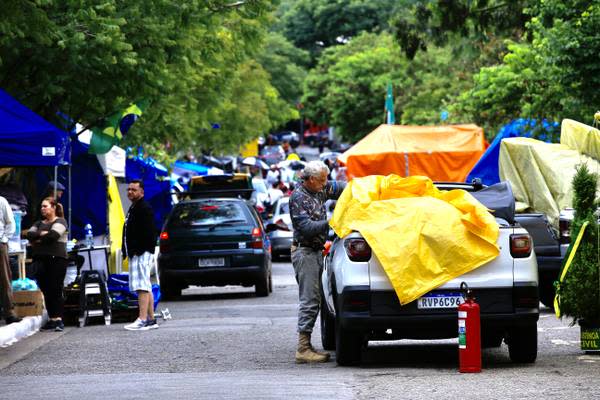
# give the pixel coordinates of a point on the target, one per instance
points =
(48, 239)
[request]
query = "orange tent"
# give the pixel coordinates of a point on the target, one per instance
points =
(443, 153)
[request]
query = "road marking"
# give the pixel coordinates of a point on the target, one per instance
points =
(589, 359)
(563, 342)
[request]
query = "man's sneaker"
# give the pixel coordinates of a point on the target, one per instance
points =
(49, 326)
(151, 324)
(137, 325)
(59, 326)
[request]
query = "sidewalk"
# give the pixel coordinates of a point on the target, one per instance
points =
(11, 334)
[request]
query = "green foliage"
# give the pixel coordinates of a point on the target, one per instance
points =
(315, 25)
(347, 88)
(439, 22)
(580, 291)
(286, 64)
(89, 59)
(554, 76)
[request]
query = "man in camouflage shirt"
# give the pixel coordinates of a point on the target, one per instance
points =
(309, 218)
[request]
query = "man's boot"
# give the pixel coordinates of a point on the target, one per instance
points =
(306, 353)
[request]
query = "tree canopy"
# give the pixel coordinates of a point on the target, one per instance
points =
(88, 60)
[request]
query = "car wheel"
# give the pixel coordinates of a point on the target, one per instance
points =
(262, 286)
(547, 292)
(169, 291)
(491, 339)
(348, 345)
(522, 344)
(327, 326)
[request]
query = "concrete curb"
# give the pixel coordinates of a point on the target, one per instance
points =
(11, 334)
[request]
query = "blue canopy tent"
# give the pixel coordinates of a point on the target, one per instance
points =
(27, 139)
(157, 185)
(487, 168)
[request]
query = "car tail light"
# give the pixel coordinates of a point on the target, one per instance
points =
(564, 228)
(520, 245)
(257, 242)
(164, 242)
(358, 249)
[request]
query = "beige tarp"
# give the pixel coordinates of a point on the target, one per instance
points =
(541, 173)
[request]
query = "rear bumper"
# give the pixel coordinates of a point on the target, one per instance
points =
(357, 312)
(217, 276)
(281, 245)
(240, 269)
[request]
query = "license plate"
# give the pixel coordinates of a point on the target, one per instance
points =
(440, 300)
(211, 262)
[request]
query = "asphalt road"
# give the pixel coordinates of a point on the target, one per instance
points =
(227, 343)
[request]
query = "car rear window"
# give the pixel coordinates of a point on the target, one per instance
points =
(208, 214)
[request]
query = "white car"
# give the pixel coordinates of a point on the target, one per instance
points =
(359, 303)
(282, 235)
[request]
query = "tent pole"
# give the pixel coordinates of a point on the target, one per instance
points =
(69, 191)
(55, 179)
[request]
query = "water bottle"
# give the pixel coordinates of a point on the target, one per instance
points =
(89, 236)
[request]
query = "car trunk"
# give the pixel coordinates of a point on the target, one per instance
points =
(488, 278)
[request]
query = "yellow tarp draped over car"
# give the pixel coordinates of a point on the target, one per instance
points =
(423, 237)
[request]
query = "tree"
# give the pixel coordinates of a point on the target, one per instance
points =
(554, 76)
(437, 21)
(89, 60)
(347, 88)
(286, 64)
(315, 25)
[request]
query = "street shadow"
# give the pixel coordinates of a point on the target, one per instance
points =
(427, 354)
(225, 295)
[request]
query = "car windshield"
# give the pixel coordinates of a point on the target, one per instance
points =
(208, 214)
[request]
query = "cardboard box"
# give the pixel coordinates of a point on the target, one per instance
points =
(28, 302)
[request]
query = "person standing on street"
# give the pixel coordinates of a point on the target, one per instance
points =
(48, 238)
(309, 219)
(139, 241)
(7, 229)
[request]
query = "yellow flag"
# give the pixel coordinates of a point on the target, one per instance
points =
(116, 219)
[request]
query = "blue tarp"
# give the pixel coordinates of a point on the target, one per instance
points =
(88, 191)
(27, 139)
(486, 168)
(157, 185)
(188, 169)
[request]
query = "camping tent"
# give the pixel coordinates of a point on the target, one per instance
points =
(27, 139)
(443, 153)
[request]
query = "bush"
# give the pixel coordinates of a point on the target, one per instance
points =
(580, 291)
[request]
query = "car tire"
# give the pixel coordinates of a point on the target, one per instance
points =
(522, 344)
(262, 285)
(169, 291)
(327, 326)
(547, 292)
(348, 345)
(491, 339)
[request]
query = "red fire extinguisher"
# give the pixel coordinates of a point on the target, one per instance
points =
(469, 333)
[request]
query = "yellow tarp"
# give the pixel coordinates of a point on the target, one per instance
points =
(423, 237)
(116, 219)
(442, 153)
(541, 173)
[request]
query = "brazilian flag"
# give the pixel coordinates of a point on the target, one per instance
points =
(114, 128)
